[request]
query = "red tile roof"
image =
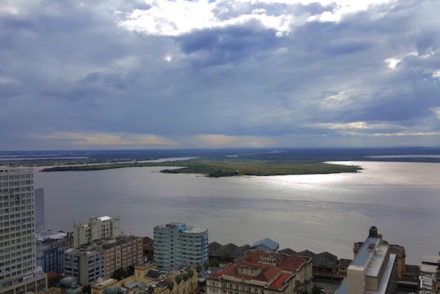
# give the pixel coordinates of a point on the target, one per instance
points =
(274, 268)
(279, 283)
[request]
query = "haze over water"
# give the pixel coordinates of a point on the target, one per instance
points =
(315, 212)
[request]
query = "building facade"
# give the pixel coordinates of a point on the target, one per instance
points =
(40, 220)
(177, 245)
(102, 258)
(147, 279)
(18, 273)
(84, 265)
(261, 272)
(373, 269)
(95, 229)
(121, 253)
(50, 256)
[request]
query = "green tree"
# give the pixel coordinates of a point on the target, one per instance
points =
(316, 289)
(190, 273)
(178, 279)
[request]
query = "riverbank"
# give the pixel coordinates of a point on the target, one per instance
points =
(223, 168)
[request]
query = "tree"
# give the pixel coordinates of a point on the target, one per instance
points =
(316, 289)
(198, 268)
(170, 285)
(178, 279)
(185, 276)
(190, 273)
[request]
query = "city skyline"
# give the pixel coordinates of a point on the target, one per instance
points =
(185, 74)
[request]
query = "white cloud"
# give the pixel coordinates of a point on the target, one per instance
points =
(336, 101)
(173, 18)
(168, 58)
(436, 111)
(356, 125)
(436, 74)
(392, 63)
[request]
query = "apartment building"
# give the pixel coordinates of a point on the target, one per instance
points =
(95, 229)
(177, 245)
(84, 265)
(102, 258)
(120, 253)
(18, 273)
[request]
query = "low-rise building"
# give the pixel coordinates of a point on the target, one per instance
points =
(373, 269)
(226, 253)
(147, 279)
(266, 244)
(263, 272)
(428, 272)
(343, 265)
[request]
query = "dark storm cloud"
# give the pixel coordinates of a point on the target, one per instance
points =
(70, 69)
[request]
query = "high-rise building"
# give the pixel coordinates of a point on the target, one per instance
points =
(95, 229)
(373, 269)
(39, 210)
(18, 272)
(177, 245)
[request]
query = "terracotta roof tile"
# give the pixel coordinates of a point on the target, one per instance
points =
(279, 283)
(280, 269)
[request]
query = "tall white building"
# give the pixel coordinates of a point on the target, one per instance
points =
(95, 229)
(17, 233)
(373, 269)
(177, 245)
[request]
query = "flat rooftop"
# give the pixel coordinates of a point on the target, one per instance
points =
(376, 260)
(364, 254)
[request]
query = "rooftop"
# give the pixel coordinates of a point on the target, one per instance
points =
(364, 253)
(104, 218)
(272, 268)
(266, 242)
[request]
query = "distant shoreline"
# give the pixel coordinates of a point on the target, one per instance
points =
(223, 168)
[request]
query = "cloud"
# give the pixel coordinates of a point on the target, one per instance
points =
(220, 140)
(407, 134)
(357, 125)
(256, 73)
(174, 18)
(436, 111)
(392, 63)
(109, 139)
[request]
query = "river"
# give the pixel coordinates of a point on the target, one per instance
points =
(315, 212)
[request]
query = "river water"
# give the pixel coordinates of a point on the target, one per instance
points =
(315, 212)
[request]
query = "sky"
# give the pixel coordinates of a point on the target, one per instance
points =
(107, 74)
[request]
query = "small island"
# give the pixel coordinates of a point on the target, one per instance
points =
(216, 168)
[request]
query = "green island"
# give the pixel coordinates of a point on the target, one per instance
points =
(223, 167)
